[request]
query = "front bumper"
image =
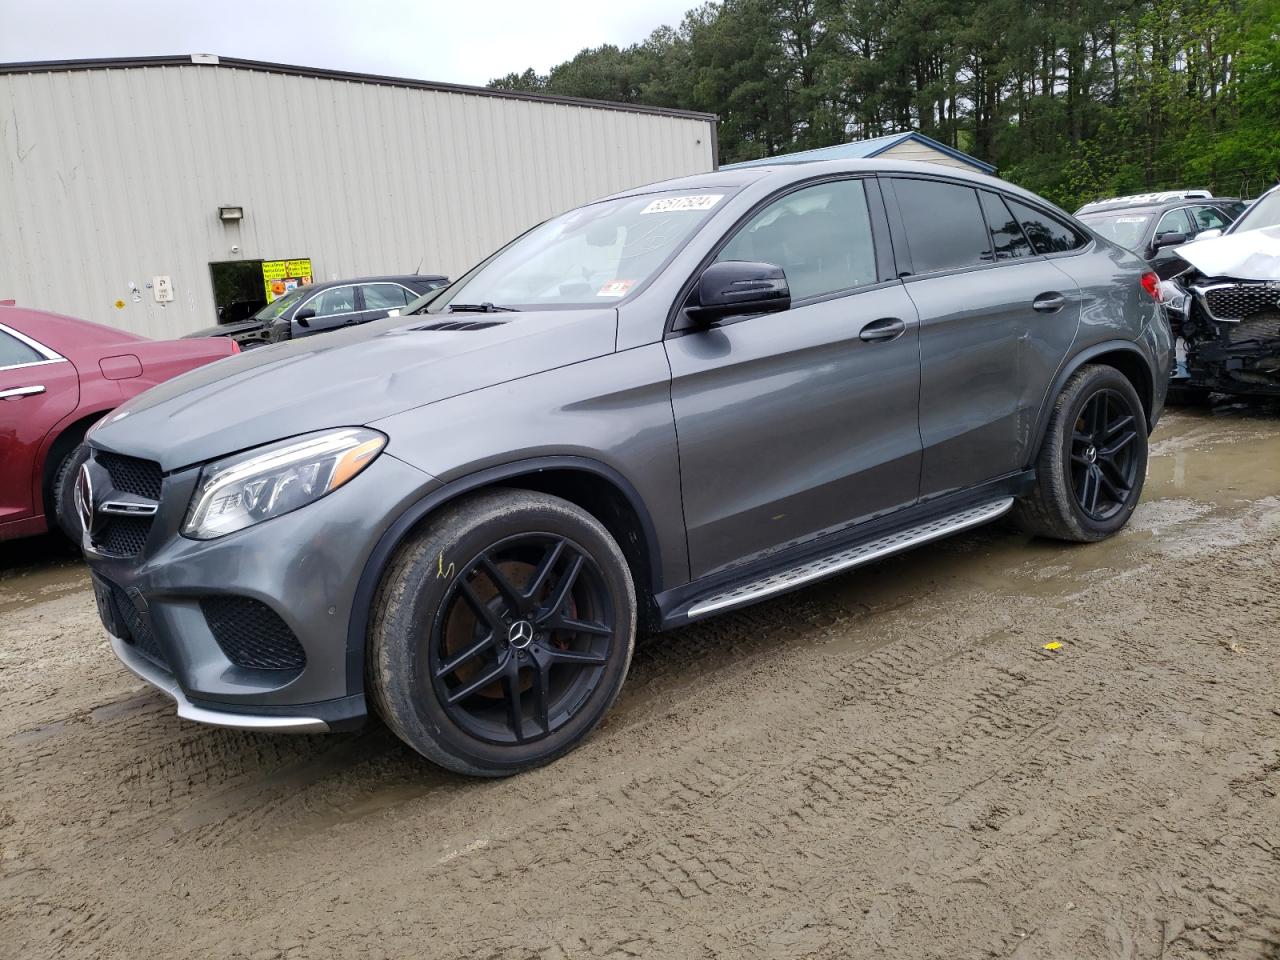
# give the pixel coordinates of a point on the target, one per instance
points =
(159, 606)
(144, 669)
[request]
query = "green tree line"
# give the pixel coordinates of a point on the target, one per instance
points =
(1074, 99)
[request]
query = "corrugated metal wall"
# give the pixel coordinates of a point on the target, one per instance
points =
(112, 175)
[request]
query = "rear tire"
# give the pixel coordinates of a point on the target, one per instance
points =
(1093, 461)
(64, 488)
(503, 632)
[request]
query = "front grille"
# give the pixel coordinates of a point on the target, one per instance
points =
(252, 635)
(123, 536)
(131, 475)
(1241, 301)
(137, 624)
(1264, 326)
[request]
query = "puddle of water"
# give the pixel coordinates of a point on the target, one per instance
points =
(36, 583)
(1203, 465)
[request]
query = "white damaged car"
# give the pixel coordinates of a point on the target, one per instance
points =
(1225, 308)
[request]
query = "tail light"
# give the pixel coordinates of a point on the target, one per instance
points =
(1151, 283)
(235, 347)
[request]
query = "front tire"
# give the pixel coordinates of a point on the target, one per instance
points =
(64, 487)
(503, 632)
(1093, 462)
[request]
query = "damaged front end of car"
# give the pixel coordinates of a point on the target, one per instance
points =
(1225, 311)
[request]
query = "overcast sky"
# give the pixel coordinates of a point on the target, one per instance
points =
(462, 41)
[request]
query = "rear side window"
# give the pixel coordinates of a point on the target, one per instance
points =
(385, 296)
(820, 236)
(944, 225)
(1047, 234)
(1007, 239)
(14, 352)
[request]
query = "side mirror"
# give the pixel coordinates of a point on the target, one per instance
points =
(303, 317)
(1169, 240)
(1209, 234)
(734, 287)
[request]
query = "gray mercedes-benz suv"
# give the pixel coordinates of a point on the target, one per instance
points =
(656, 407)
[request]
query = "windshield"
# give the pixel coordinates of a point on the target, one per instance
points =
(280, 305)
(591, 256)
(1126, 229)
(1265, 212)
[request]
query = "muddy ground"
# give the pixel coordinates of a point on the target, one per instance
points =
(889, 765)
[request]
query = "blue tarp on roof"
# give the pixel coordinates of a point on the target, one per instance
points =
(862, 150)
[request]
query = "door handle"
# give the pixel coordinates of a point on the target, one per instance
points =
(884, 329)
(16, 392)
(1049, 302)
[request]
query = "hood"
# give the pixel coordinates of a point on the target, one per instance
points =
(1249, 255)
(349, 377)
(226, 329)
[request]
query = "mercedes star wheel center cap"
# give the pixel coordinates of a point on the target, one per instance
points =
(521, 634)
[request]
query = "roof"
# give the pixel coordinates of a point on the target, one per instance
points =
(1149, 200)
(863, 150)
(320, 73)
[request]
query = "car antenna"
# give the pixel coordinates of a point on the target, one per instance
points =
(418, 269)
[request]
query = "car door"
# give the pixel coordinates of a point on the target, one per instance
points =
(37, 389)
(796, 424)
(1171, 222)
(381, 298)
(996, 320)
(1205, 217)
(327, 310)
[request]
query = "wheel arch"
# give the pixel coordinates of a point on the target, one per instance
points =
(1123, 355)
(594, 486)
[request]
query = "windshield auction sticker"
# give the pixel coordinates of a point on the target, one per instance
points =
(615, 288)
(675, 204)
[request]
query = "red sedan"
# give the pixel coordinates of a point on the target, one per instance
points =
(58, 376)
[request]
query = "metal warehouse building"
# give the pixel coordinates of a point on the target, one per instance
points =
(130, 189)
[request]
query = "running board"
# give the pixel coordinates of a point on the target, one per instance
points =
(853, 557)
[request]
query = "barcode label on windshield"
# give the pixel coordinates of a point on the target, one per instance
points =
(676, 204)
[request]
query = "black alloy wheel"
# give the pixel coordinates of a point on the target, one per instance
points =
(1092, 462)
(1104, 455)
(526, 633)
(502, 632)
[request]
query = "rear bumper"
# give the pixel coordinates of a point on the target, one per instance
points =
(163, 681)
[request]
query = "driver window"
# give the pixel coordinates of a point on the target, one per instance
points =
(335, 301)
(1175, 221)
(820, 236)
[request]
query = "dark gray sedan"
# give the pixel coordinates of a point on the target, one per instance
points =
(654, 408)
(321, 307)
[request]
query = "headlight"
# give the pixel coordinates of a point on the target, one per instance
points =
(237, 492)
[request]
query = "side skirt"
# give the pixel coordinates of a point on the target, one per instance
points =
(793, 569)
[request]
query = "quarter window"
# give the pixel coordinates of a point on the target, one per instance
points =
(1047, 234)
(944, 225)
(330, 303)
(1007, 239)
(385, 296)
(14, 352)
(820, 236)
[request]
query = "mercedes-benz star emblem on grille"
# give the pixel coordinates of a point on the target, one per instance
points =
(84, 497)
